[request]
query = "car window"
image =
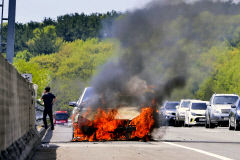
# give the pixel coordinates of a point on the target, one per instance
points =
(185, 104)
(171, 105)
(61, 116)
(225, 99)
(199, 106)
(238, 105)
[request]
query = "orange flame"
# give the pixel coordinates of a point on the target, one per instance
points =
(105, 126)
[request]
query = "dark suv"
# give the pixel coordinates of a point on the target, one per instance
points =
(168, 113)
(234, 117)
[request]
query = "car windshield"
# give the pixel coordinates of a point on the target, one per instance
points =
(199, 106)
(185, 104)
(61, 116)
(171, 105)
(225, 99)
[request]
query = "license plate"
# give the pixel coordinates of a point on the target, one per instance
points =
(225, 118)
(201, 120)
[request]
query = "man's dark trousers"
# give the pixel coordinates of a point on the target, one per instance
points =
(50, 114)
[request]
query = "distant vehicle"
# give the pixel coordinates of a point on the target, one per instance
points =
(217, 113)
(60, 117)
(181, 110)
(234, 116)
(168, 112)
(195, 114)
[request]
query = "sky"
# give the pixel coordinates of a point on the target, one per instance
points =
(36, 10)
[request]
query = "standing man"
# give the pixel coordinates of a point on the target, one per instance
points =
(49, 99)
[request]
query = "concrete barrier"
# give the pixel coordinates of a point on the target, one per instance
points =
(17, 113)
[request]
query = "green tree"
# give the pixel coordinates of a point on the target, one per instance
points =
(41, 76)
(225, 77)
(45, 41)
(25, 55)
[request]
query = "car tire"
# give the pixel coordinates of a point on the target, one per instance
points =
(185, 124)
(176, 123)
(236, 126)
(229, 125)
(206, 123)
(182, 123)
(211, 125)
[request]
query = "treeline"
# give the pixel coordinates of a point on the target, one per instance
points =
(68, 27)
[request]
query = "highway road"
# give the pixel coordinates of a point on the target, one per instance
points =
(177, 143)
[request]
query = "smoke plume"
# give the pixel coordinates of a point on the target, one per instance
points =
(155, 40)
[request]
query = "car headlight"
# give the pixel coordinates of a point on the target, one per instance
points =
(216, 111)
(238, 112)
(193, 114)
(168, 113)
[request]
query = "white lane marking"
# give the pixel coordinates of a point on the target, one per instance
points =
(200, 151)
(211, 131)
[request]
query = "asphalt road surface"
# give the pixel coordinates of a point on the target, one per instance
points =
(195, 143)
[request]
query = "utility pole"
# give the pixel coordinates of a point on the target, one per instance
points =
(1, 31)
(11, 30)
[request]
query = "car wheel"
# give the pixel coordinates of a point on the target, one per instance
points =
(236, 126)
(211, 125)
(229, 125)
(181, 123)
(176, 123)
(185, 124)
(206, 123)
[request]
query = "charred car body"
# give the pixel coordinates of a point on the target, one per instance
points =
(94, 123)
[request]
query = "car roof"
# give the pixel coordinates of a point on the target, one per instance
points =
(189, 100)
(60, 111)
(172, 102)
(225, 95)
(199, 101)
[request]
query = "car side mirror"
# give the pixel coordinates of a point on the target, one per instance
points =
(233, 106)
(72, 104)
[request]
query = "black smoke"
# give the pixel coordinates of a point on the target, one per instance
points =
(153, 60)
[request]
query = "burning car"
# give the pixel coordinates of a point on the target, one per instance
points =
(94, 120)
